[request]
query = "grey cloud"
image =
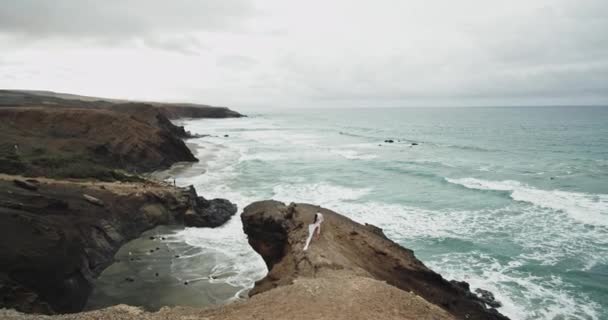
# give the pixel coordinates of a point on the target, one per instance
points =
(236, 61)
(184, 44)
(119, 19)
(559, 51)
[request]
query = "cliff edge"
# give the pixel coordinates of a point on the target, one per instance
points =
(278, 233)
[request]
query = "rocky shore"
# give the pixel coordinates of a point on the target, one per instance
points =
(72, 193)
(351, 272)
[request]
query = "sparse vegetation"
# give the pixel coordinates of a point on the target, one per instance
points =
(41, 162)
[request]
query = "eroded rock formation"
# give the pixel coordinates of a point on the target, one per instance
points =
(277, 232)
(57, 237)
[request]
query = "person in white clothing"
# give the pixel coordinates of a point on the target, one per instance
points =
(315, 226)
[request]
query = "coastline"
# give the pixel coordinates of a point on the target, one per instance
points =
(74, 192)
(98, 238)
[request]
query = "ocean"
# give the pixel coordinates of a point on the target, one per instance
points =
(511, 200)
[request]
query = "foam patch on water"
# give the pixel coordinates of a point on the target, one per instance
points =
(317, 193)
(354, 155)
(586, 208)
(236, 263)
(516, 289)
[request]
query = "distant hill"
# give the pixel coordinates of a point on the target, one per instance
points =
(31, 98)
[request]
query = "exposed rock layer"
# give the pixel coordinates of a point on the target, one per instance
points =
(16, 98)
(277, 232)
(208, 213)
(55, 239)
(73, 142)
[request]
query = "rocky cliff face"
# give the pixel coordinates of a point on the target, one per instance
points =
(25, 98)
(56, 236)
(351, 272)
(277, 232)
(174, 111)
(74, 142)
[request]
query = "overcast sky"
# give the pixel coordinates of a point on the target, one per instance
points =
(249, 53)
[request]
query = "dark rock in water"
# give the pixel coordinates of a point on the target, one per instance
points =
(152, 238)
(414, 143)
(195, 135)
(488, 297)
(226, 136)
(185, 282)
(209, 213)
(156, 274)
(25, 185)
(389, 141)
(129, 279)
(461, 284)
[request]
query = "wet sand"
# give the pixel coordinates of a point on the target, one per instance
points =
(158, 270)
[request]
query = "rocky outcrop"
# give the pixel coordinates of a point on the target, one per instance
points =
(55, 239)
(174, 111)
(278, 232)
(208, 213)
(79, 143)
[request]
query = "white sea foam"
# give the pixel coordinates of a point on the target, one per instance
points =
(234, 256)
(317, 193)
(586, 208)
(354, 155)
(545, 233)
(543, 236)
(235, 262)
(515, 289)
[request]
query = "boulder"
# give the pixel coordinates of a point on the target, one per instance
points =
(488, 297)
(209, 213)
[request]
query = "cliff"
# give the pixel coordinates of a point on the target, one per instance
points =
(25, 98)
(277, 232)
(81, 143)
(351, 271)
(56, 236)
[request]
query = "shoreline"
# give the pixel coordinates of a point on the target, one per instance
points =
(116, 217)
(175, 274)
(75, 192)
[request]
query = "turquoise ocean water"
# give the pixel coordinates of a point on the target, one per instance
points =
(512, 200)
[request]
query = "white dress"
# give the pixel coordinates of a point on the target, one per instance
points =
(312, 228)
